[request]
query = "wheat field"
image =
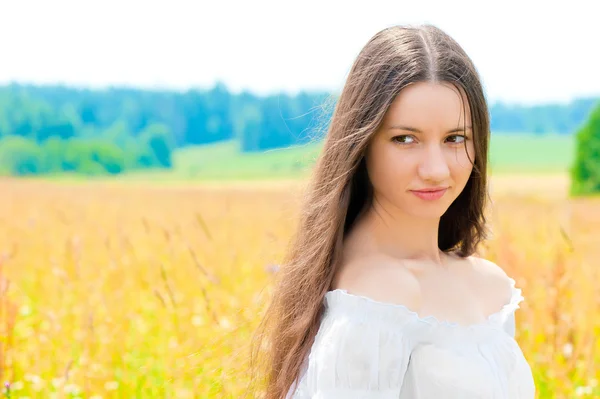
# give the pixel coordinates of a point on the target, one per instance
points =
(140, 291)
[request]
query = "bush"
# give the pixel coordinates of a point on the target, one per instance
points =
(585, 172)
(156, 147)
(20, 156)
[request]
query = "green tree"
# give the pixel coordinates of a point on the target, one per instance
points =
(107, 154)
(93, 156)
(53, 154)
(157, 146)
(585, 172)
(20, 156)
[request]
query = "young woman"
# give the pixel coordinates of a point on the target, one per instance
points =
(381, 295)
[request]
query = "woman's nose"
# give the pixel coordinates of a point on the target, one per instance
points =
(433, 165)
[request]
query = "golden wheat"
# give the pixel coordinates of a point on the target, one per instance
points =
(142, 292)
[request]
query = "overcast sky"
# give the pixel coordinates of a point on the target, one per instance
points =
(526, 51)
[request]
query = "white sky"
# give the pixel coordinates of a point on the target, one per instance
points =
(526, 51)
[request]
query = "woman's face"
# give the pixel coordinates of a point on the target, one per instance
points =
(420, 145)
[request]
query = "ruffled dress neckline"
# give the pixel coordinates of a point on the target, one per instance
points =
(341, 298)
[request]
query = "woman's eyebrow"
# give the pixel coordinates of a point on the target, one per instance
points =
(414, 129)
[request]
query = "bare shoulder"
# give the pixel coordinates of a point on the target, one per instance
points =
(382, 279)
(488, 269)
(491, 278)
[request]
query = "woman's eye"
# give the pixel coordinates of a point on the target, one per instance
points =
(458, 138)
(403, 139)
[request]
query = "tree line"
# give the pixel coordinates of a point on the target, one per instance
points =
(46, 129)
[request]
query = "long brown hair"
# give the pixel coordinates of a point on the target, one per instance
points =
(340, 189)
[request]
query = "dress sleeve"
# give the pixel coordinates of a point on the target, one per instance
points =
(358, 355)
(509, 324)
(516, 297)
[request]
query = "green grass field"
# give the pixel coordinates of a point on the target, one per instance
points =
(530, 153)
(225, 161)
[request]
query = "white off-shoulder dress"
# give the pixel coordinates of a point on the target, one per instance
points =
(370, 349)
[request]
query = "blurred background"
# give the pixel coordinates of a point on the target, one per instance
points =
(152, 157)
